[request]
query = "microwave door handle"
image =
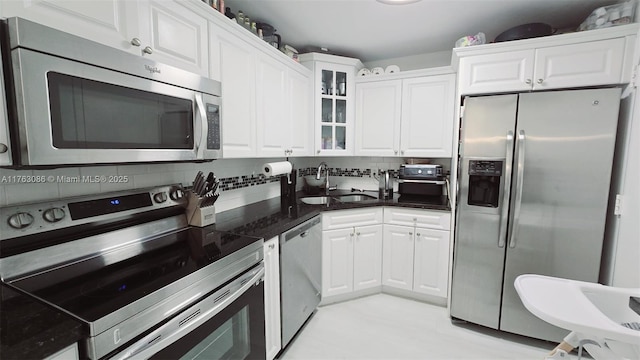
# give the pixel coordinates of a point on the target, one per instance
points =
(519, 182)
(145, 347)
(504, 213)
(200, 127)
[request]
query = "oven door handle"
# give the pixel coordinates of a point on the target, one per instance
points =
(192, 317)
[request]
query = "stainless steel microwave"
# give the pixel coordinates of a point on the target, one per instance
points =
(73, 102)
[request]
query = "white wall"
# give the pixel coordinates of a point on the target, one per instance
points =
(626, 269)
(149, 175)
(621, 261)
(138, 176)
(415, 62)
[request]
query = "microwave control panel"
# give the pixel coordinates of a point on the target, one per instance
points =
(213, 125)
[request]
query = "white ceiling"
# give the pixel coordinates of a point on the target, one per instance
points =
(370, 30)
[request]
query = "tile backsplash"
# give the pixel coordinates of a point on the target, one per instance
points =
(241, 180)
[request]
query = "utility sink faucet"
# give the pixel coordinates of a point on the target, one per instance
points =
(326, 181)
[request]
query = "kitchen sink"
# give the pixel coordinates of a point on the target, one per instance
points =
(316, 200)
(323, 200)
(354, 198)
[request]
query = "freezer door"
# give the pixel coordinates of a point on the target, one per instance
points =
(487, 127)
(565, 143)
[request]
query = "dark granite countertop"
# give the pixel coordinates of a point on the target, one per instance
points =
(32, 330)
(264, 218)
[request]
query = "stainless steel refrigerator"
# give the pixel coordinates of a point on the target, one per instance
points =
(533, 188)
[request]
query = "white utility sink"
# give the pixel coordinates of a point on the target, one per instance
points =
(592, 310)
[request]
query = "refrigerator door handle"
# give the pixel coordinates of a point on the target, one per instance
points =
(504, 214)
(519, 181)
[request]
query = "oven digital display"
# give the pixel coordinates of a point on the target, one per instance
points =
(87, 209)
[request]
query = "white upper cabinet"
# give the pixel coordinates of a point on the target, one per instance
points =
(490, 73)
(378, 111)
(333, 102)
(593, 63)
(165, 31)
(173, 34)
(284, 113)
(589, 58)
(411, 116)
(426, 129)
(300, 112)
(238, 110)
(110, 22)
(274, 132)
(266, 96)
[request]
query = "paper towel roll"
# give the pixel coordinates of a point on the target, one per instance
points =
(277, 168)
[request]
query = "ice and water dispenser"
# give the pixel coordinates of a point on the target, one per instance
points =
(484, 182)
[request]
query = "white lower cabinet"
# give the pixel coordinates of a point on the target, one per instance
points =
(351, 255)
(415, 259)
(367, 256)
(430, 262)
(416, 251)
(273, 340)
(361, 255)
(397, 269)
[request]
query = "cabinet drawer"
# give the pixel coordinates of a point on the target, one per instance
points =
(430, 219)
(351, 218)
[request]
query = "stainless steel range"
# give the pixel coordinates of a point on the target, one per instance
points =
(143, 282)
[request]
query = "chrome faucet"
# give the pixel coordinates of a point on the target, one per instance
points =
(326, 181)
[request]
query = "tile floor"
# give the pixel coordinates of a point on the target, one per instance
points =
(389, 327)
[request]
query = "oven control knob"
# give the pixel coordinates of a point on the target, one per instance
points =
(160, 197)
(176, 194)
(53, 215)
(20, 220)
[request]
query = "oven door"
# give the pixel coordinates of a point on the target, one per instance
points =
(74, 113)
(227, 324)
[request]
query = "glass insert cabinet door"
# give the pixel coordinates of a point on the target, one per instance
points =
(334, 91)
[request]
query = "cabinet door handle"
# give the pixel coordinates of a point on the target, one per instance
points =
(136, 42)
(540, 81)
(396, 152)
(410, 233)
(318, 151)
(528, 81)
(271, 246)
(147, 50)
(3, 148)
(402, 152)
(358, 233)
(418, 234)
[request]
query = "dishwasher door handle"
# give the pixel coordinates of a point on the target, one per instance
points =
(303, 234)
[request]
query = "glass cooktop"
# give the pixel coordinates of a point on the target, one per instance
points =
(94, 288)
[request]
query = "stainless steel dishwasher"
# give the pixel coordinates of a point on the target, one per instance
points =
(300, 275)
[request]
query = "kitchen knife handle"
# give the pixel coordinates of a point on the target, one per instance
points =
(519, 182)
(504, 214)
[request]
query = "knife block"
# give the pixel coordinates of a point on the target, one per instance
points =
(199, 216)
